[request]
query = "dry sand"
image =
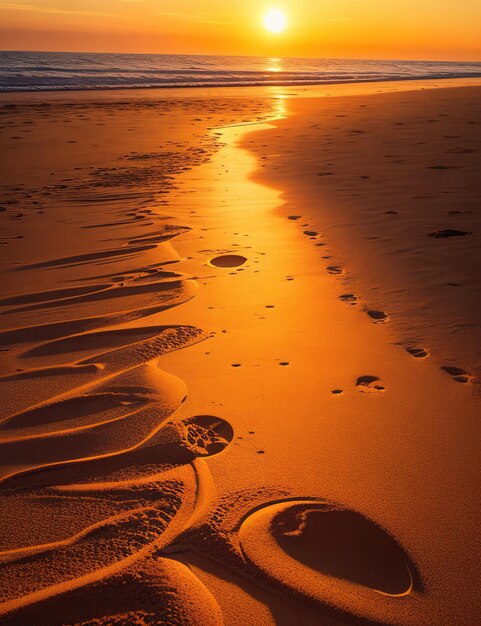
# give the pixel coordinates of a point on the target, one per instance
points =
(240, 356)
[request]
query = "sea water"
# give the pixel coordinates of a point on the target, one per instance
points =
(60, 71)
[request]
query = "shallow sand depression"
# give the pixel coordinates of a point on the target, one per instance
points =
(212, 415)
(316, 542)
(228, 260)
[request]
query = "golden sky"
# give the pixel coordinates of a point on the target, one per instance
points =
(403, 29)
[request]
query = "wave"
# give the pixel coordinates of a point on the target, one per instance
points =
(35, 71)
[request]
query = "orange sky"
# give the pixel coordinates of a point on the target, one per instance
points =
(408, 29)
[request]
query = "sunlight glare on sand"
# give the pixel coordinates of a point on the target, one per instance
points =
(280, 98)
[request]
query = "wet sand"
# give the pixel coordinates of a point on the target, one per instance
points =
(238, 388)
(388, 187)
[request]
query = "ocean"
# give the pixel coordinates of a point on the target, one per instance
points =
(63, 71)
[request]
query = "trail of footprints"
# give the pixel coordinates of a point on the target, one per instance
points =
(380, 317)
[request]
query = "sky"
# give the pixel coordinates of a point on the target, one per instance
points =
(376, 29)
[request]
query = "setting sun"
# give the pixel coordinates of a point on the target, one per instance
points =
(275, 21)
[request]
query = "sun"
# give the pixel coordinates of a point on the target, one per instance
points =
(275, 21)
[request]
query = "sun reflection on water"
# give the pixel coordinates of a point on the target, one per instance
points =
(275, 65)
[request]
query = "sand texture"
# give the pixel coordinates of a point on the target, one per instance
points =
(241, 357)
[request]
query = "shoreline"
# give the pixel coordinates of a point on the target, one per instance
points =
(231, 370)
(241, 90)
(297, 84)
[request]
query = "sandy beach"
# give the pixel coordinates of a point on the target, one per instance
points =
(240, 356)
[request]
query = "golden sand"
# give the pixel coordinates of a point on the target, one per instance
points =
(240, 357)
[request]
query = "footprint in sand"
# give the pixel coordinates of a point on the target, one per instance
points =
(327, 553)
(228, 260)
(448, 232)
(379, 317)
(334, 269)
(458, 374)
(418, 353)
(369, 384)
(205, 435)
(460, 151)
(348, 297)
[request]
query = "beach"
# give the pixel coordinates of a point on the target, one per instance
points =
(240, 355)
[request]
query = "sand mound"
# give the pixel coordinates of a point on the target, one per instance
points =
(157, 591)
